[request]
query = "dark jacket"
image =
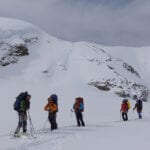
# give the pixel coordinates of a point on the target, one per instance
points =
(138, 106)
(24, 105)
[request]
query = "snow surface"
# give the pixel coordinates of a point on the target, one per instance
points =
(137, 56)
(56, 66)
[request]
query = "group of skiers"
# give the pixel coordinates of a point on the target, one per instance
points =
(125, 106)
(22, 105)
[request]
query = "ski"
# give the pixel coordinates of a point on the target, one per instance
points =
(23, 136)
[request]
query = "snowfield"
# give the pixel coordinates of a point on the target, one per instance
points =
(65, 68)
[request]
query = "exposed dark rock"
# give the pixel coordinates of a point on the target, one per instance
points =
(21, 50)
(103, 87)
(122, 94)
(112, 68)
(130, 69)
(45, 71)
(13, 52)
(124, 88)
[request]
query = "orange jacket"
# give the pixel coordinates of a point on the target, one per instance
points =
(51, 107)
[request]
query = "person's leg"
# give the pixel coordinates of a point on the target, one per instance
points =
(126, 116)
(123, 116)
(24, 117)
(81, 118)
(139, 114)
(78, 118)
(54, 123)
(50, 119)
(20, 123)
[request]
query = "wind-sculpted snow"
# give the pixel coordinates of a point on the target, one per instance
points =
(108, 73)
(15, 39)
(57, 59)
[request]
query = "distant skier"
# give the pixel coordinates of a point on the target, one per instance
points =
(52, 108)
(78, 109)
(21, 105)
(124, 109)
(139, 106)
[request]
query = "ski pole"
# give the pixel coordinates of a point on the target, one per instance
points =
(45, 124)
(32, 130)
(120, 116)
(71, 115)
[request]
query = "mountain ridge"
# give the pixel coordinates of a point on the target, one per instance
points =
(56, 59)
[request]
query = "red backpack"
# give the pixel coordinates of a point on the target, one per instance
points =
(79, 104)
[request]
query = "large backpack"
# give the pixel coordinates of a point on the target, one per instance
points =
(19, 98)
(55, 100)
(79, 105)
(127, 102)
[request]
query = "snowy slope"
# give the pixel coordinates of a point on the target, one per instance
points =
(57, 59)
(137, 56)
(70, 70)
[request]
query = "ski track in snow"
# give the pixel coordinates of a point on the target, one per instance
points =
(53, 140)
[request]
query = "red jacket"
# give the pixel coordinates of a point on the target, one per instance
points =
(124, 107)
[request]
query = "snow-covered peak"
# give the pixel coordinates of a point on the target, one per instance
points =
(54, 59)
(13, 24)
(13, 27)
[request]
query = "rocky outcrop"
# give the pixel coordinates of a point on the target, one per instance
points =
(123, 80)
(13, 52)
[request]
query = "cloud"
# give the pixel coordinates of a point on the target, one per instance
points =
(109, 22)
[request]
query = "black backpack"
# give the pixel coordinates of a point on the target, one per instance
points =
(21, 96)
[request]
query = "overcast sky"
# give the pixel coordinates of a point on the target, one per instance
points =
(108, 22)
